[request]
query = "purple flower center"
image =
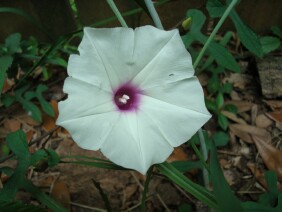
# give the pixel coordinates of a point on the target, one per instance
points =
(127, 97)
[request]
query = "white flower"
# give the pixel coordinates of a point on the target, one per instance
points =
(132, 94)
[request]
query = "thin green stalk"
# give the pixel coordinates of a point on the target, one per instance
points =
(154, 14)
(219, 24)
(117, 13)
(205, 157)
(198, 153)
(146, 187)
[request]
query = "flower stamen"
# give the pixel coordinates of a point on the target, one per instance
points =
(123, 99)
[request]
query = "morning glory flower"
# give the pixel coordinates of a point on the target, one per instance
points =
(132, 93)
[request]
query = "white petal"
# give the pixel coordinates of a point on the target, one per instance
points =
(144, 53)
(114, 48)
(186, 93)
(83, 99)
(177, 121)
(171, 63)
(88, 66)
(90, 132)
(136, 143)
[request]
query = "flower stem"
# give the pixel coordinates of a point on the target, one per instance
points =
(154, 14)
(205, 157)
(117, 13)
(146, 186)
(211, 37)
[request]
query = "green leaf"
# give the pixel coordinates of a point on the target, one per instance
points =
(228, 35)
(213, 84)
(220, 138)
(5, 62)
(196, 190)
(227, 88)
(222, 121)
(231, 108)
(219, 101)
(44, 158)
(12, 43)
(47, 108)
(58, 61)
(184, 208)
(18, 144)
(184, 166)
(30, 107)
(223, 57)
(269, 44)
(247, 36)
(32, 110)
(103, 165)
(270, 198)
(53, 158)
(7, 171)
(271, 179)
(276, 31)
(198, 20)
(210, 105)
(7, 100)
(18, 206)
(256, 207)
(223, 194)
(215, 8)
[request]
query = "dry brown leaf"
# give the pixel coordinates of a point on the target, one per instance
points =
(233, 117)
(257, 173)
(242, 106)
(130, 190)
(274, 105)
(204, 79)
(235, 96)
(28, 120)
(262, 121)
(271, 156)
(244, 132)
(8, 84)
(12, 125)
(225, 163)
(177, 154)
(61, 193)
(277, 117)
(29, 135)
(238, 80)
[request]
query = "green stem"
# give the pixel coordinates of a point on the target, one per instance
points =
(205, 157)
(117, 13)
(198, 153)
(211, 37)
(154, 14)
(146, 186)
